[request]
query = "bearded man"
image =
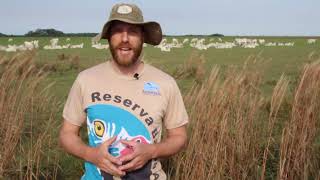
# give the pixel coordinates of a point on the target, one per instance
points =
(125, 104)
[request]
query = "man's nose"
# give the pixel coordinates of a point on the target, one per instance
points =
(124, 36)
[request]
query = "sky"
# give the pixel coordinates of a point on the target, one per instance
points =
(179, 17)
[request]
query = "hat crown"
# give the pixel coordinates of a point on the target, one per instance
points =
(131, 14)
(125, 11)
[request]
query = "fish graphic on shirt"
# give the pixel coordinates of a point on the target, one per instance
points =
(102, 131)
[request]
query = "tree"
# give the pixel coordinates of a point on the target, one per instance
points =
(217, 35)
(3, 35)
(45, 32)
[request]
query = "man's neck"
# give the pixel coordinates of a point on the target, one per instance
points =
(129, 70)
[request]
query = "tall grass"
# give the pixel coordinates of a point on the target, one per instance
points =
(299, 155)
(233, 136)
(224, 127)
(27, 116)
(193, 67)
(235, 131)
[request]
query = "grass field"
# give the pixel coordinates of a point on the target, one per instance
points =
(261, 150)
(288, 60)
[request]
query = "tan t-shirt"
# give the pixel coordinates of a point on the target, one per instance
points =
(133, 108)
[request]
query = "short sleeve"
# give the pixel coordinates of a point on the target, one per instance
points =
(176, 114)
(73, 110)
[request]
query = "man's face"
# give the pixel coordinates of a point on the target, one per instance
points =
(125, 42)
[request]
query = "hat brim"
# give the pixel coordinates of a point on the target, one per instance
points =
(151, 30)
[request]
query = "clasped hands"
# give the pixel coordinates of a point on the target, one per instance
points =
(118, 166)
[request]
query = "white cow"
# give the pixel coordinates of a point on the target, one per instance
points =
(100, 46)
(29, 45)
(66, 46)
(311, 41)
(262, 41)
(11, 48)
(289, 44)
(175, 43)
(53, 44)
(270, 44)
(165, 48)
(186, 40)
(77, 46)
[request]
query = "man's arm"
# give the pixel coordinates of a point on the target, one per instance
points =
(72, 143)
(174, 142)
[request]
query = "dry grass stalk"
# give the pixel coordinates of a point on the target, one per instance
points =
(276, 101)
(223, 132)
(193, 67)
(23, 107)
(298, 152)
(13, 104)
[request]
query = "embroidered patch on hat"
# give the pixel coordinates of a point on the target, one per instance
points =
(151, 88)
(124, 9)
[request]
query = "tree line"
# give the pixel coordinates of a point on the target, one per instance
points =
(49, 33)
(56, 33)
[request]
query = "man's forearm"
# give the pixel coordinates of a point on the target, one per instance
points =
(170, 146)
(74, 145)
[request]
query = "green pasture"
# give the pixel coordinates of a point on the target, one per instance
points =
(279, 59)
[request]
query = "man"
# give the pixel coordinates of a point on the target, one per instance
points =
(125, 104)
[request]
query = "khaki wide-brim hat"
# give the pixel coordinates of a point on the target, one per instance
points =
(131, 14)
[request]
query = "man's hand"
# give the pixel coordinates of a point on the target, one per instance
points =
(104, 160)
(72, 143)
(141, 154)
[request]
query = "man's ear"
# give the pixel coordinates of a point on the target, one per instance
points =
(142, 33)
(108, 33)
